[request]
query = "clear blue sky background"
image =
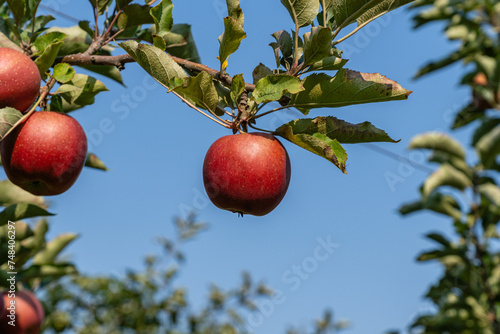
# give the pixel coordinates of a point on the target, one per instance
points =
(155, 156)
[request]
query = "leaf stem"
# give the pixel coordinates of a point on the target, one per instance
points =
(354, 31)
(348, 20)
(324, 12)
(296, 45)
(259, 129)
(218, 121)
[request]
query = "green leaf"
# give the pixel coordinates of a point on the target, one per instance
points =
(80, 91)
(8, 118)
(120, 4)
(439, 64)
(467, 115)
(234, 11)
(17, 7)
(362, 11)
(85, 26)
(93, 161)
(273, 87)
(260, 72)
(48, 55)
(162, 16)
(100, 5)
(346, 88)
(230, 40)
(328, 64)
(334, 128)
(237, 88)
(12, 194)
(49, 271)
(63, 72)
(134, 15)
(283, 43)
(491, 193)
(458, 163)
(486, 127)
(488, 147)
(446, 175)
(179, 42)
(156, 62)
(443, 204)
(318, 143)
(317, 45)
(53, 248)
(199, 90)
(302, 12)
(77, 40)
(44, 41)
(439, 238)
(224, 96)
(21, 211)
(438, 142)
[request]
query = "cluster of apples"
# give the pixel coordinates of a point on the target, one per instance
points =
(46, 153)
(24, 312)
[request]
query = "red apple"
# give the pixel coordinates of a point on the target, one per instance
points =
(28, 314)
(19, 80)
(46, 154)
(2, 308)
(247, 173)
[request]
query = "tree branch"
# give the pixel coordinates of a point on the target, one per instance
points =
(82, 59)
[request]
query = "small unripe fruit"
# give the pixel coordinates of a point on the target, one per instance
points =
(247, 173)
(19, 80)
(46, 154)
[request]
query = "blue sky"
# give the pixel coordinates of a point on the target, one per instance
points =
(155, 145)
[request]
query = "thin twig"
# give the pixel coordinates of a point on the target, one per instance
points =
(220, 122)
(112, 23)
(113, 37)
(259, 129)
(271, 111)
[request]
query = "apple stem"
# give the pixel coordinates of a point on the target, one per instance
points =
(259, 129)
(271, 111)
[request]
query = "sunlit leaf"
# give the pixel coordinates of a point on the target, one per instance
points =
(156, 62)
(230, 40)
(302, 12)
(346, 88)
(273, 87)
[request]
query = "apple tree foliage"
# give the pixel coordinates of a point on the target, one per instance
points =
(309, 73)
(465, 185)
